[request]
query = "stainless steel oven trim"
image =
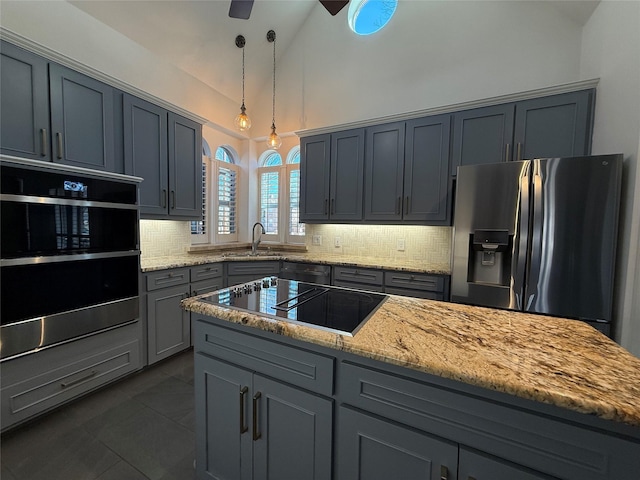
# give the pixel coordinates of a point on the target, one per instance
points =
(8, 197)
(10, 262)
(28, 336)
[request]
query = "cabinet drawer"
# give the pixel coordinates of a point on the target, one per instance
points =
(543, 444)
(357, 275)
(292, 365)
(416, 281)
(360, 286)
(407, 292)
(167, 278)
(44, 380)
(259, 269)
(204, 272)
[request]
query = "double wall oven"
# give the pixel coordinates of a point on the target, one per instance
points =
(70, 255)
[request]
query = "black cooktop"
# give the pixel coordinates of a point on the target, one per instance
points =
(340, 310)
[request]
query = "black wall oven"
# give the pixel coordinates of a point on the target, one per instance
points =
(70, 254)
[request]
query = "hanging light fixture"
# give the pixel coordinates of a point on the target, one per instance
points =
(274, 141)
(242, 121)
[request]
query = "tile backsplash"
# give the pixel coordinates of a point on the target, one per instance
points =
(160, 238)
(422, 244)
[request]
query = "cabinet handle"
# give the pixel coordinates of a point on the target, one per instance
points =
(243, 393)
(164, 198)
(43, 142)
(91, 374)
(256, 432)
(333, 206)
(326, 203)
(406, 204)
(173, 199)
(519, 154)
(398, 202)
(59, 144)
(507, 152)
(444, 472)
(195, 293)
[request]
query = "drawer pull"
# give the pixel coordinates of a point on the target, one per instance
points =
(91, 374)
(243, 393)
(444, 472)
(256, 431)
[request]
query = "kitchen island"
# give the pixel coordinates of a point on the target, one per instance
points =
(463, 392)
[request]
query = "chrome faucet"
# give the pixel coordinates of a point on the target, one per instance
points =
(254, 242)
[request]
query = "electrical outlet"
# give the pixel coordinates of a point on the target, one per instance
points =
(316, 240)
(400, 245)
(337, 242)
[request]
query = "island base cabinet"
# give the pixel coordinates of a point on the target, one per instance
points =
(248, 426)
(374, 449)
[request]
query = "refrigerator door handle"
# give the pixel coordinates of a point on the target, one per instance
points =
(536, 243)
(518, 269)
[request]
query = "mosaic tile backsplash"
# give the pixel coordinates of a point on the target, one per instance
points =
(161, 238)
(421, 244)
(431, 245)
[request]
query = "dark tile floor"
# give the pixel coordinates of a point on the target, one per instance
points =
(140, 428)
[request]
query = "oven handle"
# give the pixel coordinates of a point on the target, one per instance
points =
(9, 262)
(8, 197)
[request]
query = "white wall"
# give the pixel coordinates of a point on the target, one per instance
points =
(431, 54)
(611, 51)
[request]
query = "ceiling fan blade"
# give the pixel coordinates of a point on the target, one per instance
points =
(334, 6)
(240, 9)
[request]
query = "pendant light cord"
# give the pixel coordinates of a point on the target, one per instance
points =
(243, 76)
(273, 117)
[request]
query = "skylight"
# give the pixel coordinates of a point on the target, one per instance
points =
(369, 16)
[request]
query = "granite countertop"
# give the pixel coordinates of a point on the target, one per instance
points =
(191, 259)
(561, 362)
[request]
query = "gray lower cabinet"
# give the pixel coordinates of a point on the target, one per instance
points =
(375, 449)
(355, 277)
(474, 465)
(168, 325)
(38, 382)
(242, 272)
(249, 424)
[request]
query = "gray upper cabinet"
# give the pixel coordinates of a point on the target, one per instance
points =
(165, 150)
(145, 154)
(185, 168)
(553, 126)
(82, 125)
(24, 110)
(407, 172)
(332, 169)
(384, 166)
(482, 135)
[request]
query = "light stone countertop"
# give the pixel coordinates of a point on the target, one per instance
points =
(191, 259)
(562, 362)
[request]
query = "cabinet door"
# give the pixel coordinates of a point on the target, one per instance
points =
(145, 152)
(474, 466)
(483, 135)
(384, 164)
(347, 175)
(426, 170)
(223, 434)
(294, 429)
(555, 126)
(185, 168)
(378, 450)
(81, 120)
(314, 177)
(169, 326)
(24, 110)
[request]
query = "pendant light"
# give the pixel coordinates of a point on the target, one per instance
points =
(274, 141)
(242, 121)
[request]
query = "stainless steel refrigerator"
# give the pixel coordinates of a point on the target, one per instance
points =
(539, 236)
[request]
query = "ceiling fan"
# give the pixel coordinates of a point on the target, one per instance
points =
(242, 8)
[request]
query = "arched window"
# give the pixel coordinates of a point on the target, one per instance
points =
(279, 185)
(220, 193)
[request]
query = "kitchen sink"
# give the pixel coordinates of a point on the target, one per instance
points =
(249, 254)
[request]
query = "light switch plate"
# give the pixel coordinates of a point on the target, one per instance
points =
(316, 240)
(400, 245)
(337, 242)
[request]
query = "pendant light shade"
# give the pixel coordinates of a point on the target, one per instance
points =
(242, 121)
(274, 141)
